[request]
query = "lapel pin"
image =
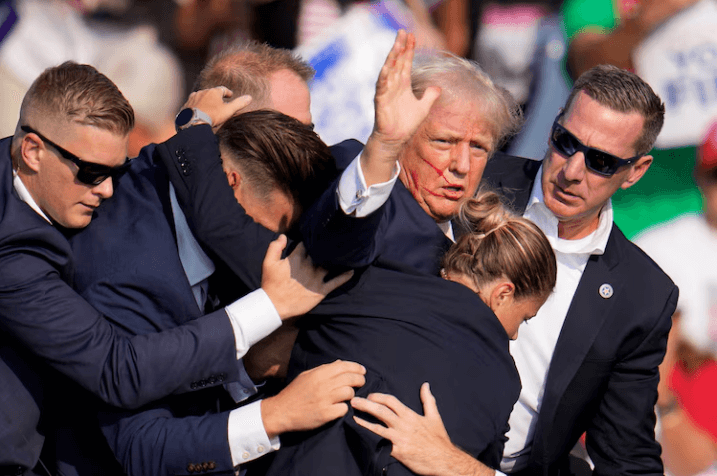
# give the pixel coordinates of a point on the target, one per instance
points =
(606, 291)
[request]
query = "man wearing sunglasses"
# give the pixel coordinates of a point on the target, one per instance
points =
(69, 146)
(589, 360)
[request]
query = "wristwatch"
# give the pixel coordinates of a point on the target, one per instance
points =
(189, 117)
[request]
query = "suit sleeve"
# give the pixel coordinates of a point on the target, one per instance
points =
(42, 312)
(157, 441)
(334, 238)
(215, 217)
(621, 437)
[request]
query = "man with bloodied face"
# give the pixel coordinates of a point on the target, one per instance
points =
(438, 168)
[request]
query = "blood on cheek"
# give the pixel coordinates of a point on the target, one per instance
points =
(438, 171)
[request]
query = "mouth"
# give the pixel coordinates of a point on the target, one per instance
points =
(453, 192)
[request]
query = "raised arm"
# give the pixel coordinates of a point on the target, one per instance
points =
(345, 227)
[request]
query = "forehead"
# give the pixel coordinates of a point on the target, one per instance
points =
(459, 120)
(290, 95)
(93, 144)
(601, 127)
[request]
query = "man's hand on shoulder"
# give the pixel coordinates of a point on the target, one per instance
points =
(315, 397)
(421, 443)
(294, 285)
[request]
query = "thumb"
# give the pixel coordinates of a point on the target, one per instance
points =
(429, 96)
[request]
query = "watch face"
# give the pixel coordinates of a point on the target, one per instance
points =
(184, 116)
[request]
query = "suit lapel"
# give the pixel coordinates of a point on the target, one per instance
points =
(585, 317)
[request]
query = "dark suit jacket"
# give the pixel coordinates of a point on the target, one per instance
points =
(603, 375)
(406, 328)
(42, 315)
(128, 267)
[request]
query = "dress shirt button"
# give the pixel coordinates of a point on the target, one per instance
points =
(260, 449)
(245, 455)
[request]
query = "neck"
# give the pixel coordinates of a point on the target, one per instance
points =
(577, 228)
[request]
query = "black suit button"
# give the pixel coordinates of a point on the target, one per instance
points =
(221, 377)
(212, 380)
(384, 471)
(191, 468)
(202, 383)
(193, 385)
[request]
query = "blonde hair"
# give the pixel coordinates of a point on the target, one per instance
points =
(500, 244)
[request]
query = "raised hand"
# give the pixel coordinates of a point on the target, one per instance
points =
(315, 397)
(421, 443)
(217, 104)
(294, 285)
(398, 112)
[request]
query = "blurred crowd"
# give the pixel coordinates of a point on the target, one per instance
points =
(153, 50)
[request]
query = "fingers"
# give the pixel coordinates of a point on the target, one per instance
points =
(430, 408)
(381, 431)
(376, 410)
(273, 253)
(239, 103)
(391, 402)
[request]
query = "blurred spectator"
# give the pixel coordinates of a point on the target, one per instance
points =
(686, 249)
(144, 70)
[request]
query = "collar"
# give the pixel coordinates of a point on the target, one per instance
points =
(538, 213)
(25, 196)
(447, 229)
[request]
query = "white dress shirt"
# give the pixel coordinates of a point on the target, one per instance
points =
(533, 350)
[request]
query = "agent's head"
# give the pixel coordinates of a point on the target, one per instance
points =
(443, 162)
(276, 165)
(275, 78)
(598, 145)
(504, 258)
(70, 141)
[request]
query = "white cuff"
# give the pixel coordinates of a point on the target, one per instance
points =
(247, 438)
(358, 200)
(253, 317)
(242, 389)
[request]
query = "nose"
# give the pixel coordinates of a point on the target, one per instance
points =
(461, 163)
(574, 168)
(104, 189)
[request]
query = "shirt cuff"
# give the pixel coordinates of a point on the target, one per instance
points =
(253, 317)
(358, 200)
(247, 438)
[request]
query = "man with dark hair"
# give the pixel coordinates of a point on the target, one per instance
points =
(589, 361)
(276, 166)
(67, 152)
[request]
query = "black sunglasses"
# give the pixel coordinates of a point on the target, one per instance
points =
(596, 160)
(88, 173)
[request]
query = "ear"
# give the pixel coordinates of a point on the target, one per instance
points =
(233, 178)
(30, 152)
(637, 171)
(501, 294)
